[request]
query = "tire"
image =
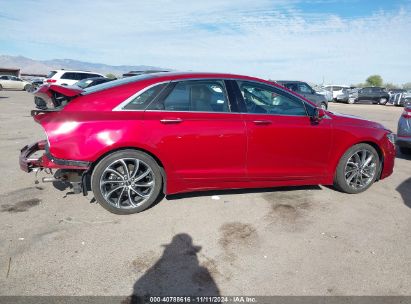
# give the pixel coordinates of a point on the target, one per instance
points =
(27, 88)
(323, 106)
(1, 87)
(405, 150)
(351, 101)
(118, 201)
(348, 175)
(383, 101)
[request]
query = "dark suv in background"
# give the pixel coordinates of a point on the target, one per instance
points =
(305, 90)
(373, 94)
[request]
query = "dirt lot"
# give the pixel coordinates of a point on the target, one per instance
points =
(292, 241)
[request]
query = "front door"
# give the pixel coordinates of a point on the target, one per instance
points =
(283, 143)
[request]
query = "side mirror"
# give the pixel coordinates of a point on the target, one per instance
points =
(318, 115)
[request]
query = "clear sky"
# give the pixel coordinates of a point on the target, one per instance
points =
(338, 41)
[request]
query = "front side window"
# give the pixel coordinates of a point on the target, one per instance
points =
(141, 101)
(196, 96)
(264, 99)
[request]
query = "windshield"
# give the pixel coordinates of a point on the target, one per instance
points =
(118, 82)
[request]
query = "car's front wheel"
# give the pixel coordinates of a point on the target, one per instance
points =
(323, 106)
(27, 88)
(357, 169)
(127, 181)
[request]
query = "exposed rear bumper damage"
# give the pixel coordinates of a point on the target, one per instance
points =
(26, 159)
(71, 171)
(30, 160)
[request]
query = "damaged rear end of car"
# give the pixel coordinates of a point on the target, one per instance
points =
(36, 157)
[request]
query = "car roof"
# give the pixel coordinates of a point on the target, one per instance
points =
(173, 76)
(192, 75)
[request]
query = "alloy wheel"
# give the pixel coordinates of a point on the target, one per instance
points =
(360, 169)
(127, 183)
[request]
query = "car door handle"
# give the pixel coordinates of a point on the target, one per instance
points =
(171, 120)
(262, 122)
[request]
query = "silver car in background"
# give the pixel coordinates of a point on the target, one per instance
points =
(400, 98)
(404, 130)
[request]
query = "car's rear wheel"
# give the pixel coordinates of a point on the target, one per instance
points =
(383, 101)
(358, 169)
(126, 182)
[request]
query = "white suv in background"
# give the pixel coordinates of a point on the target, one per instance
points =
(68, 77)
(336, 89)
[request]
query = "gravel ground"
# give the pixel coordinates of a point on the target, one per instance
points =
(287, 241)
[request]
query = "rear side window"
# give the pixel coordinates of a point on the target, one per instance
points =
(196, 96)
(69, 75)
(143, 100)
(93, 75)
(82, 76)
(304, 88)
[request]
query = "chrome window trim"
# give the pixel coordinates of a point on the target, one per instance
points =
(121, 106)
(212, 112)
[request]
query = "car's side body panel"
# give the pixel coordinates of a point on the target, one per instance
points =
(209, 150)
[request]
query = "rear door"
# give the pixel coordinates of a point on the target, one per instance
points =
(283, 143)
(196, 129)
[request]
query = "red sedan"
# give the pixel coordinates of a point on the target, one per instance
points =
(131, 139)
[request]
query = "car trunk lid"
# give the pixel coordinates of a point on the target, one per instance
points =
(54, 97)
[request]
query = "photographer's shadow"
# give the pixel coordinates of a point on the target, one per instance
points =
(176, 273)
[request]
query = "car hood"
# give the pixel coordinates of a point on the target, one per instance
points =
(351, 120)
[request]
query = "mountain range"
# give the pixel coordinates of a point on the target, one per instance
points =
(31, 66)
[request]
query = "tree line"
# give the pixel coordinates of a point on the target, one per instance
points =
(377, 81)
